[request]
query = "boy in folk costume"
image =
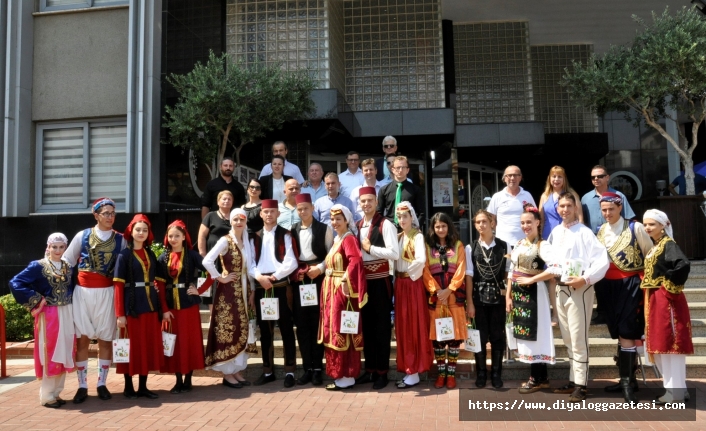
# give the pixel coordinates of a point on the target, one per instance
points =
(95, 251)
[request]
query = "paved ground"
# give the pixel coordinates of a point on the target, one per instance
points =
(212, 406)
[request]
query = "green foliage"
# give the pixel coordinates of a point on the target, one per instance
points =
(19, 324)
(158, 248)
(663, 68)
(224, 102)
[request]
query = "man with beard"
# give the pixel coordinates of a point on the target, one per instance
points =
(279, 148)
(224, 181)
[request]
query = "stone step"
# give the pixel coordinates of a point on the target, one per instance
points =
(695, 281)
(606, 347)
(695, 294)
(698, 267)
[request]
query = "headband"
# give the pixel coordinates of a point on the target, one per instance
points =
(611, 197)
(101, 202)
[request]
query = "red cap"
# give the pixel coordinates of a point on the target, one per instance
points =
(137, 219)
(270, 203)
(610, 195)
(302, 198)
(367, 191)
(180, 224)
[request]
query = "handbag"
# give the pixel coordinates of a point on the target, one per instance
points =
(168, 339)
(472, 343)
(444, 326)
(269, 307)
(510, 333)
(121, 348)
(349, 320)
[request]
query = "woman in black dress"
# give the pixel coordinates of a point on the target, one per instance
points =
(253, 206)
(213, 227)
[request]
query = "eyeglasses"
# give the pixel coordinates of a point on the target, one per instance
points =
(107, 214)
(597, 177)
(389, 146)
(352, 160)
(398, 168)
(513, 175)
(254, 187)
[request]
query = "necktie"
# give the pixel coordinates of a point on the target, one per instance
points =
(398, 198)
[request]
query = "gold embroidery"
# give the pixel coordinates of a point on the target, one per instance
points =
(100, 253)
(649, 282)
(175, 280)
(632, 259)
(526, 261)
(59, 283)
(146, 276)
(225, 328)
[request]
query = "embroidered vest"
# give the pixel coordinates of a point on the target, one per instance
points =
(529, 262)
(375, 232)
(99, 256)
(444, 278)
(493, 270)
(626, 253)
(318, 238)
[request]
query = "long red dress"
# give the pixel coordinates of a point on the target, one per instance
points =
(342, 350)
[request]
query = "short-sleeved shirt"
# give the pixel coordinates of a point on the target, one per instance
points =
(315, 193)
(699, 183)
(217, 227)
(592, 216)
(209, 198)
(508, 209)
(287, 216)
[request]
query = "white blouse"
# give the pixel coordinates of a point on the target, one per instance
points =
(416, 267)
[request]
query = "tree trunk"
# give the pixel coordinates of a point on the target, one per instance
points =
(685, 156)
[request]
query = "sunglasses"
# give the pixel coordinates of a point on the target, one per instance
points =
(254, 187)
(596, 177)
(389, 146)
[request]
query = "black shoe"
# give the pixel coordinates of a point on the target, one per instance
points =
(231, 385)
(307, 377)
(177, 389)
(627, 372)
(366, 378)
(130, 394)
(617, 388)
(496, 368)
(264, 379)
(104, 393)
(318, 379)
(599, 320)
(147, 394)
(55, 405)
(186, 388)
(244, 382)
(288, 380)
(60, 401)
(482, 370)
(381, 382)
(81, 395)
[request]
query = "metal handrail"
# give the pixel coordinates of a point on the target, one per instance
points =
(3, 344)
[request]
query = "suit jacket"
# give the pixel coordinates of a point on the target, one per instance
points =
(267, 186)
(379, 165)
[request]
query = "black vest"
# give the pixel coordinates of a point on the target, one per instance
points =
(375, 233)
(280, 247)
(318, 238)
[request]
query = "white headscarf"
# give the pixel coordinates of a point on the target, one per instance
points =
(408, 206)
(54, 238)
(661, 218)
(349, 217)
(246, 238)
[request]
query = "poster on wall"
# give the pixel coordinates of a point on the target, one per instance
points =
(441, 190)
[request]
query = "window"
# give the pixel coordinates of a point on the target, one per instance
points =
(79, 162)
(52, 5)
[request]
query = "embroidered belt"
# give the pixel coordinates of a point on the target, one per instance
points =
(140, 284)
(402, 274)
(376, 269)
(331, 273)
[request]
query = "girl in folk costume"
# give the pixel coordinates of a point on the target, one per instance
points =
(486, 271)
(227, 347)
(344, 287)
(667, 319)
(45, 289)
(414, 351)
(139, 307)
(444, 278)
(527, 301)
(176, 275)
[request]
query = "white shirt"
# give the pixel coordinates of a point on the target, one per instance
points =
(508, 209)
(546, 252)
(416, 267)
(355, 195)
(391, 251)
(220, 249)
(268, 262)
(290, 169)
(579, 243)
(278, 190)
(349, 181)
(306, 254)
(614, 230)
(73, 251)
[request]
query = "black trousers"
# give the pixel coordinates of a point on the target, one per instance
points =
(286, 328)
(377, 325)
(490, 322)
(307, 320)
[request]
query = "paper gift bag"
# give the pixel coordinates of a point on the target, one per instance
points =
(168, 341)
(571, 268)
(472, 343)
(269, 307)
(444, 329)
(121, 349)
(251, 331)
(307, 295)
(349, 320)
(199, 282)
(510, 333)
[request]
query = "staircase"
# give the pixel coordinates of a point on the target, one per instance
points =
(602, 347)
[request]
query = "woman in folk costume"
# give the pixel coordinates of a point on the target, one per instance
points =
(445, 280)
(139, 307)
(344, 288)
(527, 300)
(414, 351)
(45, 288)
(176, 273)
(667, 319)
(228, 345)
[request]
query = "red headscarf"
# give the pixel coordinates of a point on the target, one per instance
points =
(139, 218)
(180, 224)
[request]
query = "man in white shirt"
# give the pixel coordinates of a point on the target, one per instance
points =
(380, 249)
(369, 174)
(353, 176)
(288, 208)
(274, 260)
(315, 185)
(507, 206)
(574, 244)
(279, 148)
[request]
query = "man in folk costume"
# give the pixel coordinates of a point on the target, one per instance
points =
(313, 239)
(378, 241)
(575, 243)
(275, 258)
(95, 250)
(627, 244)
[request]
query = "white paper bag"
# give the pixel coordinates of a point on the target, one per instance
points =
(444, 329)
(199, 282)
(349, 322)
(269, 308)
(251, 331)
(168, 342)
(571, 268)
(307, 295)
(121, 349)
(472, 343)
(510, 333)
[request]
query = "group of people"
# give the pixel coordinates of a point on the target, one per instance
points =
(265, 258)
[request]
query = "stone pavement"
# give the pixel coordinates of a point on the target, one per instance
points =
(211, 406)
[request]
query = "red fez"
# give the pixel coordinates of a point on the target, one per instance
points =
(270, 203)
(367, 191)
(139, 218)
(610, 195)
(303, 198)
(179, 224)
